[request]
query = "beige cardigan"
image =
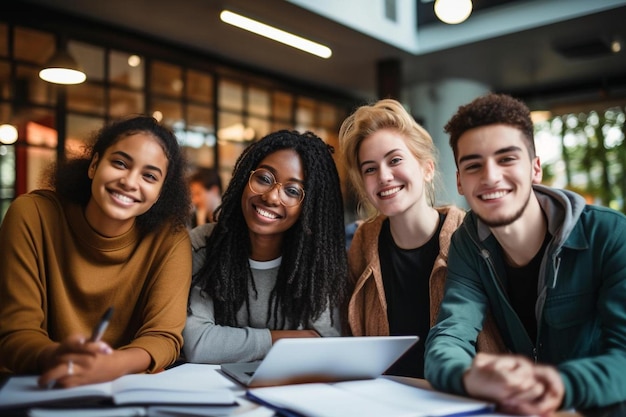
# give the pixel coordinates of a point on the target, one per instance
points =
(367, 308)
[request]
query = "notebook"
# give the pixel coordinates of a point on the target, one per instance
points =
(325, 359)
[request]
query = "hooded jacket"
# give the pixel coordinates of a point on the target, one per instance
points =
(580, 307)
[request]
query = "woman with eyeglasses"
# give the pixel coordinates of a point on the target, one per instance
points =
(274, 263)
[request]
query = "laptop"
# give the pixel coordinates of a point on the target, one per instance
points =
(324, 359)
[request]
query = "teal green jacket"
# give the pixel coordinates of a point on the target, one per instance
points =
(580, 310)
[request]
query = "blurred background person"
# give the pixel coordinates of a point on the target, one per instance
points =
(205, 186)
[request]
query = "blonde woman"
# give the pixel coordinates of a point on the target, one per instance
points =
(398, 257)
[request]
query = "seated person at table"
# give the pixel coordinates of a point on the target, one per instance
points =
(551, 268)
(274, 264)
(397, 260)
(111, 234)
(205, 185)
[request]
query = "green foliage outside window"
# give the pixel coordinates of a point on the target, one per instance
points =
(592, 159)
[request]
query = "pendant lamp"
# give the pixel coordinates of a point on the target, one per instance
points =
(62, 68)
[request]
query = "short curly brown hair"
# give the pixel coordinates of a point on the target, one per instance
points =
(491, 109)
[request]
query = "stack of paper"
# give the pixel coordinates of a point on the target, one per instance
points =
(365, 398)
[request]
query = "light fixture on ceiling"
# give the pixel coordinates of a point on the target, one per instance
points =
(62, 68)
(275, 34)
(616, 45)
(8, 134)
(453, 12)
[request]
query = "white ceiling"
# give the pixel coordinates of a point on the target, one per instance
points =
(524, 63)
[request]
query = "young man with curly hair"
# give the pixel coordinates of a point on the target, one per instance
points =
(550, 267)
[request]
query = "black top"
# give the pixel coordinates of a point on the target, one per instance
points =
(522, 289)
(406, 274)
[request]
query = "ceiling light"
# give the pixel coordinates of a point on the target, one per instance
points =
(8, 134)
(275, 34)
(453, 11)
(616, 46)
(62, 68)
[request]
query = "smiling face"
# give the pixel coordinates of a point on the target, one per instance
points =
(495, 173)
(264, 213)
(393, 178)
(126, 182)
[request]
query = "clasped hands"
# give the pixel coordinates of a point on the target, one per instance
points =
(75, 361)
(515, 384)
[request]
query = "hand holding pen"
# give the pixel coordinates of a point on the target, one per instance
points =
(72, 346)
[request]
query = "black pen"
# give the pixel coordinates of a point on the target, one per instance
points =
(99, 330)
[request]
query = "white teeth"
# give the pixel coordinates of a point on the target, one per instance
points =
(122, 198)
(494, 195)
(389, 192)
(266, 213)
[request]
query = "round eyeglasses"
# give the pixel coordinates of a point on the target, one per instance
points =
(262, 181)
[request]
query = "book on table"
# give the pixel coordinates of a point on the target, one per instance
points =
(365, 398)
(184, 384)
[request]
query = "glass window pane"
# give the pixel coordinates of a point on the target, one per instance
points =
(282, 105)
(30, 88)
(231, 141)
(166, 79)
(123, 102)
(199, 87)
(41, 131)
(305, 114)
(4, 40)
(169, 112)
(230, 95)
(5, 80)
(278, 125)
(258, 102)
(86, 97)
(199, 138)
(126, 69)
(38, 160)
(261, 127)
(79, 131)
(33, 45)
(90, 58)
(200, 118)
(327, 116)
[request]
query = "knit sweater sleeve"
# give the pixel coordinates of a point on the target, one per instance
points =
(22, 289)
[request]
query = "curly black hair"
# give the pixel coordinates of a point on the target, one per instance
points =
(312, 275)
(71, 181)
(491, 109)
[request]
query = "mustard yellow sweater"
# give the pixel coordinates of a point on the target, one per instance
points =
(58, 276)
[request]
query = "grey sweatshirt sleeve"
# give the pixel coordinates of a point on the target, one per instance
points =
(207, 342)
(323, 325)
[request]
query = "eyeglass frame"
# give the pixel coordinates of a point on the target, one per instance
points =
(273, 186)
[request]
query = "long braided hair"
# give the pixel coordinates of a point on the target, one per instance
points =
(312, 275)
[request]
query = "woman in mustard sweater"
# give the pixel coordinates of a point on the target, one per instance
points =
(111, 233)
